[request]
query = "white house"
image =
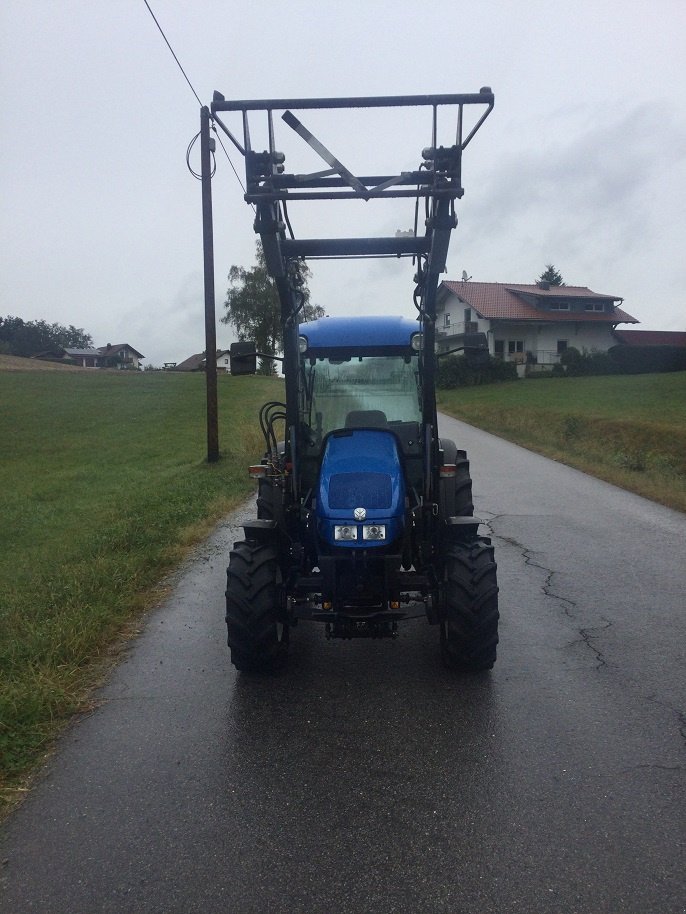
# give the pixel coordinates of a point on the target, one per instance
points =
(120, 355)
(531, 324)
(86, 358)
(197, 362)
(224, 360)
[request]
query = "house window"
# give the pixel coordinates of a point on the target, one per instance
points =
(467, 315)
(499, 349)
(514, 346)
(561, 346)
(594, 306)
(559, 306)
(446, 319)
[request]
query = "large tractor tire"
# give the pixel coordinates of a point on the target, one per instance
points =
(257, 639)
(456, 492)
(469, 629)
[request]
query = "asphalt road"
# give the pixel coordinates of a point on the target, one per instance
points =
(367, 778)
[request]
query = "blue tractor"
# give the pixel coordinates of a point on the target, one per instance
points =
(364, 514)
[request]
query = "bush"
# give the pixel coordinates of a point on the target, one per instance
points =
(572, 361)
(577, 363)
(460, 371)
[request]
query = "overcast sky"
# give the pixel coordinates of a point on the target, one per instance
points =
(581, 164)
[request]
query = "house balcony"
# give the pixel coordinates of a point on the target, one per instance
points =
(457, 327)
(544, 357)
(541, 357)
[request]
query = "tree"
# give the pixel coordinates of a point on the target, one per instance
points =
(254, 310)
(551, 276)
(25, 338)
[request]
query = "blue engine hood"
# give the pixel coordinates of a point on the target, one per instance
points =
(361, 468)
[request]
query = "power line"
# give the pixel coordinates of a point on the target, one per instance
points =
(178, 62)
(172, 52)
(238, 177)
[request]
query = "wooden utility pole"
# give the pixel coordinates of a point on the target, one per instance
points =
(210, 325)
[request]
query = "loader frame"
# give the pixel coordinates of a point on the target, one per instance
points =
(308, 584)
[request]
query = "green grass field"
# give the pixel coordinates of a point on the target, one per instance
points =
(103, 487)
(627, 429)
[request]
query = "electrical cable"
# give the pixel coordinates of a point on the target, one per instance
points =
(233, 167)
(192, 142)
(172, 53)
(188, 159)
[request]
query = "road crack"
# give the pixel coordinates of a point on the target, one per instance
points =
(653, 766)
(680, 715)
(587, 639)
(588, 634)
(530, 559)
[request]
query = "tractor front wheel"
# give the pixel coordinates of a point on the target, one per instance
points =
(469, 629)
(257, 635)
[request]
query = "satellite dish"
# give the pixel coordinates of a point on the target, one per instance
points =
(465, 278)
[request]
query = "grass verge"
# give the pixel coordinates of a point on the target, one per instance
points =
(103, 488)
(627, 429)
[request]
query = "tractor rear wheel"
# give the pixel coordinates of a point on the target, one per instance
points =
(469, 629)
(256, 635)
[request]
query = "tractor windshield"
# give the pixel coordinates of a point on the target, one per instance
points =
(337, 393)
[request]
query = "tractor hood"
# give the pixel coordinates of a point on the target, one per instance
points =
(361, 493)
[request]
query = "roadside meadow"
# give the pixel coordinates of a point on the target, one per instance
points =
(629, 430)
(104, 488)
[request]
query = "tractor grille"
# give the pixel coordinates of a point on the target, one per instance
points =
(360, 490)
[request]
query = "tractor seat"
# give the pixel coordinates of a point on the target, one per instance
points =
(366, 418)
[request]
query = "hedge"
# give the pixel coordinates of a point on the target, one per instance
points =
(461, 371)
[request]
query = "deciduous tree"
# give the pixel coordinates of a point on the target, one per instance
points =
(26, 338)
(253, 307)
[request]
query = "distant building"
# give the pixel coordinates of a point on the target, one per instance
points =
(197, 362)
(85, 358)
(121, 356)
(528, 324)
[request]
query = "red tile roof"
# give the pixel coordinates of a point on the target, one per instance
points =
(106, 350)
(651, 337)
(508, 301)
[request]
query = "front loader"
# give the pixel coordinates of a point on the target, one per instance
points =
(364, 514)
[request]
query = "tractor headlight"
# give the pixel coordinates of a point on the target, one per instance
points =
(374, 532)
(345, 532)
(302, 344)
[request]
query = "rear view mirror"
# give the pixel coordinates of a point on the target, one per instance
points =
(243, 358)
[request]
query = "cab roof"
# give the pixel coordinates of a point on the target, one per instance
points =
(365, 332)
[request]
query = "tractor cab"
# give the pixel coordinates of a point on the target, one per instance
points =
(359, 389)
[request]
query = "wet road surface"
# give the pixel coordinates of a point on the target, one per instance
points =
(366, 777)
